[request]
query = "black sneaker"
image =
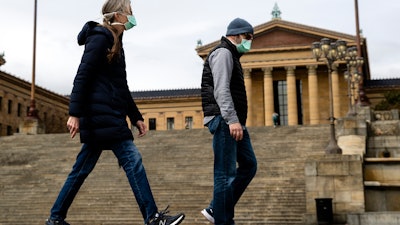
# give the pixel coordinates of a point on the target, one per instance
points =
(208, 214)
(56, 222)
(162, 219)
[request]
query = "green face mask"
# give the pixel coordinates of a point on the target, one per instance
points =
(131, 22)
(244, 47)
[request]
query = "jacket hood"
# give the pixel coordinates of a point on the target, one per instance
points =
(91, 28)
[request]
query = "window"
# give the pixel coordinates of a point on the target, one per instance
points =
(9, 130)
(281, 104)
(19, 110)
(188, 122)
(9, 106)
(299, 89)
(152, 124)
(170, 123)
(282, 101)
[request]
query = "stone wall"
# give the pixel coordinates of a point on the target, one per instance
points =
(339, 177)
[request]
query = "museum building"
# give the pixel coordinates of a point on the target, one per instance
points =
(281, 75)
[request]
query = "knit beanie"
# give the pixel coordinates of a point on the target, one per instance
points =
(239, 26)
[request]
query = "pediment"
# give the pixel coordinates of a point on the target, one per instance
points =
(280, 34)
(279, 37)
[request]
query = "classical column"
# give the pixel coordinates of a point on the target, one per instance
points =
(291, 95)
(248, 84)
(313, 94)
(335, 91)
(268, 96)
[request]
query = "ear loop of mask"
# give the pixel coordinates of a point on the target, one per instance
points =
(128, 25)
(107, 17)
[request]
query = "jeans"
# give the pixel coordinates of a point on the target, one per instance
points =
(129, 159)
(230, 179)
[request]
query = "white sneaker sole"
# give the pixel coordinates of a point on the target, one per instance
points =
(178, 221)
(208, 216)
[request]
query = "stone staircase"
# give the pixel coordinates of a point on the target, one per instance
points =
(179, 165)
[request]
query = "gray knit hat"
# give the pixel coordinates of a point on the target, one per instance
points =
(239, 26)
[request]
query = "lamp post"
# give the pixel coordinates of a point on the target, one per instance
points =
(362, 99)
(351, 79)
(330, 52)
(33, 112)
(352, 75)
(32, 124)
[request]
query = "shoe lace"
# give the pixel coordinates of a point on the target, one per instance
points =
(160, 215)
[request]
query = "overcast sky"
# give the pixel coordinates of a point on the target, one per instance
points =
(160, 50)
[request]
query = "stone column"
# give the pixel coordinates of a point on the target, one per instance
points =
(335, 91)
(291, 95)
(313, 94)
(268, 96)
(248, 84)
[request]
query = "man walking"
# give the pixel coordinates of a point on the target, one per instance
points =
(224, 104)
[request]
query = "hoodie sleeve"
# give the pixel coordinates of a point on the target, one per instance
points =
(94, 55)
(221, 64)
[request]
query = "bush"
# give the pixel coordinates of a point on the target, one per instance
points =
(391, 101)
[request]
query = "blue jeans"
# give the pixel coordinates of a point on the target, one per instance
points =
(129, 159)
(230, 180)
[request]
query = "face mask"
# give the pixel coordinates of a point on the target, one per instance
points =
(131, 22)
(244, 46)
(128, 25)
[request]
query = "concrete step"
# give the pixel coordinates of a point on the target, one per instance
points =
(382, 184)
(179, 165)
(374, 218)
(382, 170)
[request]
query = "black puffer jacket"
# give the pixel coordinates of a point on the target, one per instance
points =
(100, 96)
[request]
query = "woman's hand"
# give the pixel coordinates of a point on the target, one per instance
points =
(141, 127)
(73, 125)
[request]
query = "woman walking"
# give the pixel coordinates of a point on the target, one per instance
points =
(100, 102)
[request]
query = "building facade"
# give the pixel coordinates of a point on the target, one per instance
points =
(281, 75)
(170, 109)
(15, 97)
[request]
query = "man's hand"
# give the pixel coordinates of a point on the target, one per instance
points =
(73, 125)
(141, 127)
(236, 131)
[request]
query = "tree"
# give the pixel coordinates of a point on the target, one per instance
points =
(2, 60)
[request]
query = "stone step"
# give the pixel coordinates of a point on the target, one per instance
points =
(382, 184)
(179, 165)
(382, 170)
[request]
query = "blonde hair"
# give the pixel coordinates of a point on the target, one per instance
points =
(110, 7)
